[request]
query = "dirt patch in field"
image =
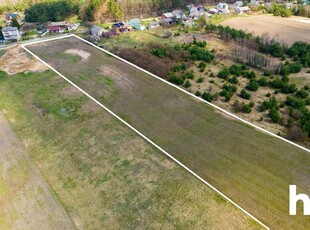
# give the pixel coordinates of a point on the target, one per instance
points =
(83, 54)
(16, 60)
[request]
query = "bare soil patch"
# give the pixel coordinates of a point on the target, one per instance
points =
(84, 55)
(16, 60)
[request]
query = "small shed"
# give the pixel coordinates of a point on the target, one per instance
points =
(153, 25)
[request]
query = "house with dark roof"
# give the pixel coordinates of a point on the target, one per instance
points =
(11, 16)
(97, 31)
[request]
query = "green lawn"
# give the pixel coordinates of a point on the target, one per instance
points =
(102, 173)
(252, 168)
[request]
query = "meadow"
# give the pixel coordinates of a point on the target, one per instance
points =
(251, 167)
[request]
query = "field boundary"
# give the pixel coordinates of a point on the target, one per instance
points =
(146, 138)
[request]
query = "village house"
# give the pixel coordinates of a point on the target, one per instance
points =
(153, 25)
(121, 27)
(136, 24)
(213, 11)
(223, 8)
(55, 29)
(11, 33)
(97, 31)
(168, 15)
(179, 15)
(242, 9)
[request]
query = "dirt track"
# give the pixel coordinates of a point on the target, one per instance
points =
(289, 30)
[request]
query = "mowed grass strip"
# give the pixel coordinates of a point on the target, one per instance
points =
(102, 173)
(252, 168)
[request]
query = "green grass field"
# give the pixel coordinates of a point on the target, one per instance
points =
(252, 168)
(102, 173)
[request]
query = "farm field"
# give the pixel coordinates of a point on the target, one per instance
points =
(102, 174)
(252, 168)
(288, 30)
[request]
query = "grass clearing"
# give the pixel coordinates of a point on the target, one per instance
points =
(102, 173)
(252, 168)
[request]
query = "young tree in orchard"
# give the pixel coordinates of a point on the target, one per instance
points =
(115, 10)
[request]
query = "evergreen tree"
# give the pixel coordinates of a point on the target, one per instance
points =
(15, 23)
(115, 10)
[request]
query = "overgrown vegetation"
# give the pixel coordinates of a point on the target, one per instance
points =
(51, 11)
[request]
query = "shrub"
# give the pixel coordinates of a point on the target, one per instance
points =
(245, 95)
(198, 93)
(252, 85)
(235, 70)
(274, 115)
(233, 80)
(272, 103)
(190, 74)
(263, 81)
(302, 93)
(200, 80)
(207, 96)
(187, 84)
(246, 108)
(2, 74)
(202, 66)
(224, 74)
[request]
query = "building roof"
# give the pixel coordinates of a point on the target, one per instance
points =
(134, 21)
(180, 12)
(96, 29)
(154, 24)
(13, 15)
(9, 29)
(168, 15)
(244, 8)
(53, 28)
(238, 3)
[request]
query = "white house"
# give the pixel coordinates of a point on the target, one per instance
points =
(223, 8)
(242, 9)
(237, 4)
(11, 33)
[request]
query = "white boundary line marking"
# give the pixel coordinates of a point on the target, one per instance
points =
(147, 139)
